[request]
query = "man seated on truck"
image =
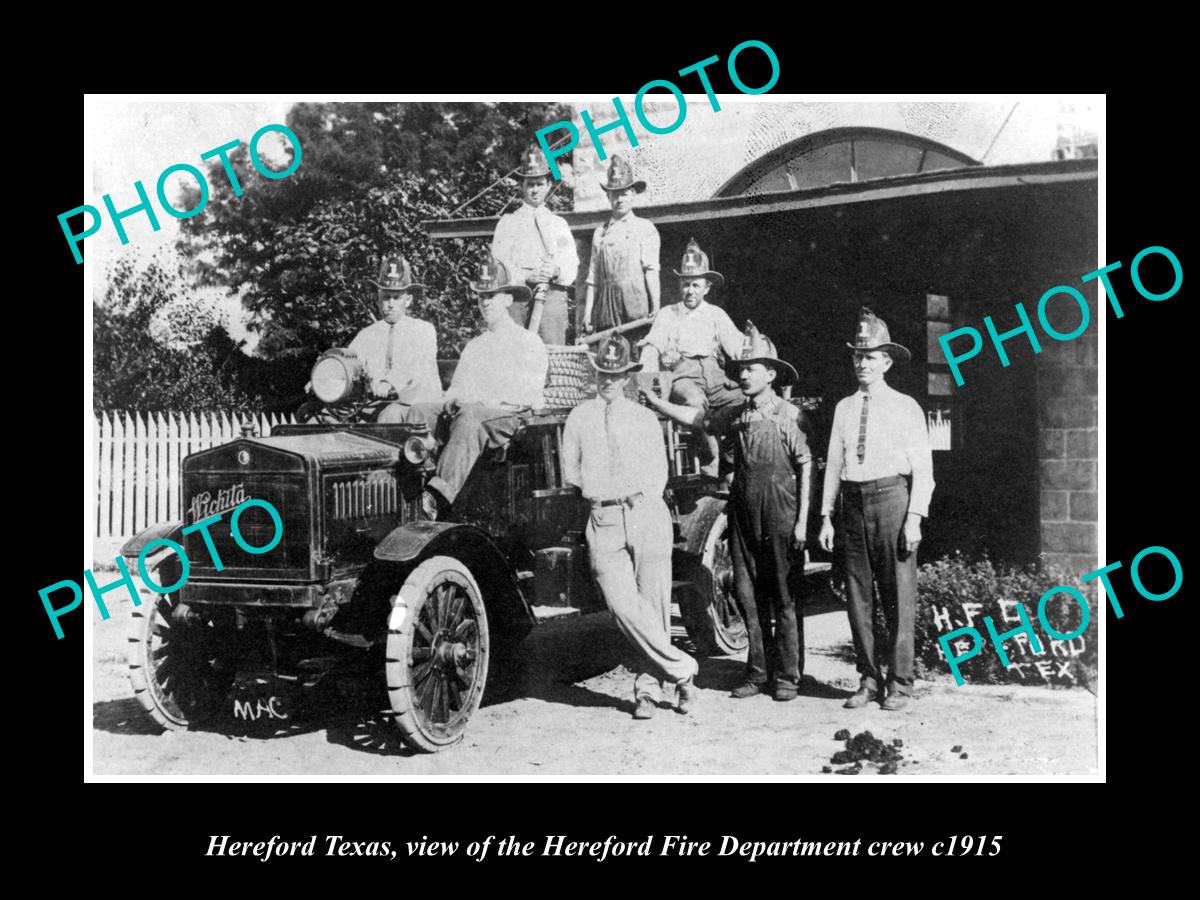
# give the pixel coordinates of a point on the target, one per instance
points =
(499, 374)
(399, 352)
(685, 340)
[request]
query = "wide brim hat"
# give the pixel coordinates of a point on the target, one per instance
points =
(873, 334)
(758, 348)
(395, 275)
(695, 265)
(620, 177)
(533, 164)
(491, 277)
(614, 357)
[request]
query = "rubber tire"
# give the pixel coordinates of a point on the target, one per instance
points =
(697, 606)
(415, 726)
(150, 621)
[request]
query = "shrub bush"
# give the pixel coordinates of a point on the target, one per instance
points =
(956, 591)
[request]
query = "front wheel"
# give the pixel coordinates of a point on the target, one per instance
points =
(179, 669)
(709, 608)
(437, 654)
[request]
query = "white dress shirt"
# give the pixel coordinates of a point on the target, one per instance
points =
(587, 462)
(507, 365)
(413, 344)
(897, 444)
(518, 244)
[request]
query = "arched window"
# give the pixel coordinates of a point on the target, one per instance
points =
(842, 155)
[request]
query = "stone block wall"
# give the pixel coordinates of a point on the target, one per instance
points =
(1067, 377)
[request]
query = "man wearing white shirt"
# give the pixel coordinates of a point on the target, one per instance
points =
(878, 446)
(613, 451)
(685, 340)
(399, 352)
(499, 374)
(539, 247)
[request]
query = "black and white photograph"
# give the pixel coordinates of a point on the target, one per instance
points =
(500, 438)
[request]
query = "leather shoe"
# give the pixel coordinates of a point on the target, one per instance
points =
(746, 689)
(688, 695)
(860, 698)
(785, 692)
(895, 701)
(644, 708)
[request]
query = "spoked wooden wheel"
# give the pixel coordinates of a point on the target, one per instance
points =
(710, 609)
(437, 653)
(180, 672)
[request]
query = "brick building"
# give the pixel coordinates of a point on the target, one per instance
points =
(934, 215)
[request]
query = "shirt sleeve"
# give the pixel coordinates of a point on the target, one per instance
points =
(358, 347)
(834, 462)
(650, 246)
(566, 257)
(535, 365)
(462, 385)
(572, 450)
(728, 334)
(920, 457)
(794, 439)
(502, 239)
(430, 382)
(591, 275)
(660, 331)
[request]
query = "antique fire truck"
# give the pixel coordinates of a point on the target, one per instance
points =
(362, 583)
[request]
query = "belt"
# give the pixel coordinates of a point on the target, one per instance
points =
(630, 501)
(879, 484)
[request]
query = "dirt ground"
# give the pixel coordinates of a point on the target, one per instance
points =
(567, 712)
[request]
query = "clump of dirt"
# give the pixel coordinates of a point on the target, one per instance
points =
(865, 747)
(957, 748)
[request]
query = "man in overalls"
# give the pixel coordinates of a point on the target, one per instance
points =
(768, 510)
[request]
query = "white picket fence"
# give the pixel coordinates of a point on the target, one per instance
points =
(137, 457)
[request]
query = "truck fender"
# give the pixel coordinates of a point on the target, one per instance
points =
(133, 547)
(472, 545)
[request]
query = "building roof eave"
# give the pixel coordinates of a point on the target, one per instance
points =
(968, 178)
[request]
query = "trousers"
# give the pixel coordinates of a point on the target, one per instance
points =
(762, 512)
(872, 522)
(630, 552)
(553, 327)
(476, 428)
(700, 382)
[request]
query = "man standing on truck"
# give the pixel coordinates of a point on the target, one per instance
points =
(685, 340)
(879, 445)
(399, 352)
(613, 452)
(768, 510)
(500, 373)
(539, 247)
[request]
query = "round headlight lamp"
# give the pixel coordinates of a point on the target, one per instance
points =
(418, 448)
(337, 376)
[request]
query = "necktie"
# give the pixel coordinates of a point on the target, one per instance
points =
(391, 343)
(614, 448)
(862, 430)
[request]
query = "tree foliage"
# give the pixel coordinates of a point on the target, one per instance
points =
(302, 249)
(157, 346)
